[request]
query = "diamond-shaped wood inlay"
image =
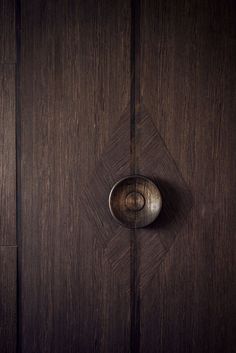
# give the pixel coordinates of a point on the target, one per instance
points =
(155, 162)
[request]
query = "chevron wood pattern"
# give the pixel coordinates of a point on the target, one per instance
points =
(156, 241)
(114, 164)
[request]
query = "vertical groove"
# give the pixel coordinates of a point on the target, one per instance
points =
(18, 165)
(135, 81)
(132, 93)
(135, 108)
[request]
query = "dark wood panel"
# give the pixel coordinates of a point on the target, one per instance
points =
(7, 30)
(75, 88)
(156, 162)
(8, 299)
(7, 156)
(188, 86)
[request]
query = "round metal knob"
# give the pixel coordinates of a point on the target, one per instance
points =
(135, 201)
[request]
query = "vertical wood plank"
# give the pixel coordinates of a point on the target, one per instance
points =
(8, 254)
(7, 30)
(7, 156)
(188, 76)
(7, 299)
(75, 86)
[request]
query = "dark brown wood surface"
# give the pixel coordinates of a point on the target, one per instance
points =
(109, 88)
(7, 156)
(75, 90)
(7, 31)
(188, 67)
(8, 299)
(8, 250)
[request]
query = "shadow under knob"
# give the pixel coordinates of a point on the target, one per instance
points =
(135, 201)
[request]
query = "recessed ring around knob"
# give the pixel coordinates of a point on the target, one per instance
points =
(135, 201)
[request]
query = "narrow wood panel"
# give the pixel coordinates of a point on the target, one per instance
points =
(75, 87)
(8, 299)
(188, 77)
(7, 30)
(7, 156)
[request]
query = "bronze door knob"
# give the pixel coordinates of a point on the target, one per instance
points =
(135, 201)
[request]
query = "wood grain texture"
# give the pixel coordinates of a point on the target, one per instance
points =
(155, 161)
(7, 156)
(75, 86)
(113, 164)
(135, 202)
(188, 86)
(7, 30)
(7, 299)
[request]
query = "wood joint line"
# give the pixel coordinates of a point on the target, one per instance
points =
(135, 108)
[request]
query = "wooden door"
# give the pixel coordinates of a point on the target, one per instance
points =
(91, 92)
